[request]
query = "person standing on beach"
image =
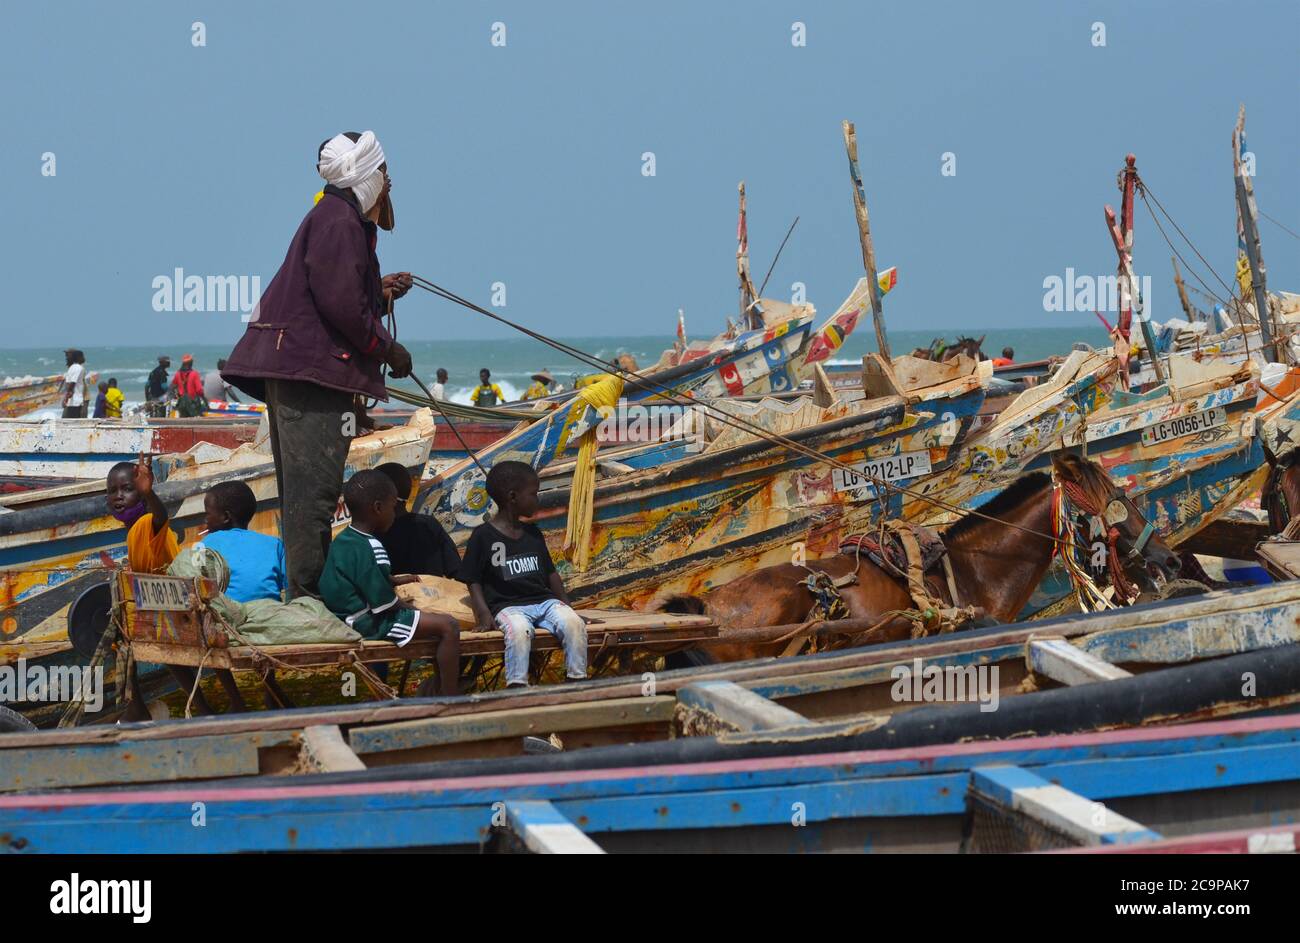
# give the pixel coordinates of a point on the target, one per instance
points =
(74, 384)
(542, 381)
(189, 390)
(113, 399)
(439, 389)
(316, 341)
(214, 387)
(486, 393)
(155, 388)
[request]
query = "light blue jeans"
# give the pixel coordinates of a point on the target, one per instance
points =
(517, 624)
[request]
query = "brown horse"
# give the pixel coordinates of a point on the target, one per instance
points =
(943, 352)
(1281, 493)
(996, 566)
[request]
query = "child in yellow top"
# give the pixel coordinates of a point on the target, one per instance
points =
(115, 398)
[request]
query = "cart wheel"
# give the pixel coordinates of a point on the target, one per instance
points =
(690, 658)
(88, 619)
(471, 668)
(1178, 589)
(13, 722)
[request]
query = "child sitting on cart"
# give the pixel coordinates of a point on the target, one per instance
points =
(150, 544)
(416, 543)
(357, 582)
(512, 579)
(256, 561)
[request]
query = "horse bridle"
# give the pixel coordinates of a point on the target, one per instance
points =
(1116, 512)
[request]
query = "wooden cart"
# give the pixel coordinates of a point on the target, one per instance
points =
(166, 620)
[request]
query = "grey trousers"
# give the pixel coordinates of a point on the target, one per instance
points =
(310, 449)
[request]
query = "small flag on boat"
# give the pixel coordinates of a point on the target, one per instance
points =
(887, 279)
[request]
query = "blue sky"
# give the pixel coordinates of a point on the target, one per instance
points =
(523, 165)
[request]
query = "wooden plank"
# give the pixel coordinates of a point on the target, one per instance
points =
(94, 764)
(1059, 660)
(325, 744)
(389, 814)
(534, 721)
(738, 707)
(1280, 557)
(623, 631)
(1226, 537)
(1282, 840)
(878, 378)
(1021, 792)
(544, 831)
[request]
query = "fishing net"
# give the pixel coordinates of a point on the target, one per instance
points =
(991, 828)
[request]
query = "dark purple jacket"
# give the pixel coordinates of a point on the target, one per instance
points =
(320, 319)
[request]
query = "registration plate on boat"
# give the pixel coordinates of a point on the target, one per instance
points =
(891, 468)
(160, 593)
(1184, 426)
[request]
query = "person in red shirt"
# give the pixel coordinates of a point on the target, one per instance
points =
(1007, 359)
(188, 387)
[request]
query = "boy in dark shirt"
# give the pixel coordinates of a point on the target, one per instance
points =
(101, 403)
(357, 582)
(416, 543)
(512, 580)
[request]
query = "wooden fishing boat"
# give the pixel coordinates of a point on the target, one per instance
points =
(1175, 661)
(22, 395)
(82, 449)
(50, 554)
(1123, 789)
(856, 791)
(689, 512)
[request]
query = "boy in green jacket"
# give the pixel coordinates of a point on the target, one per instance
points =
(357, 582)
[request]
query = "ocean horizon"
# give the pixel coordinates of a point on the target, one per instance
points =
(513, 360)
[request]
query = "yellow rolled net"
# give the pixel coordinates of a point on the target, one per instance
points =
(602, 396)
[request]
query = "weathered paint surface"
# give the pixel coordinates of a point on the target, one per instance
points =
(88, 448)
(19, 399)
(878, 785)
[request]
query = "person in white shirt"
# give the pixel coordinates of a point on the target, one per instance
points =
(74, 385)
(439, 389)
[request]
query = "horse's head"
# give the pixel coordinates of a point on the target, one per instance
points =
(1132, 540)
(1281, 494)
(970, 346)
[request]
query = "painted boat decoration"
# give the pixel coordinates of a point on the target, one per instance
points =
(1036, 422)
(815, 731)
(50, 554)
(691, 512)
(223, 408)
(1186, 458)
(22, 395)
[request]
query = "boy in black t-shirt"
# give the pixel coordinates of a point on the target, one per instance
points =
(357, 582)
(512, 579)
(416, 543)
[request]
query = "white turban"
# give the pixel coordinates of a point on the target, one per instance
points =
(354, 166)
